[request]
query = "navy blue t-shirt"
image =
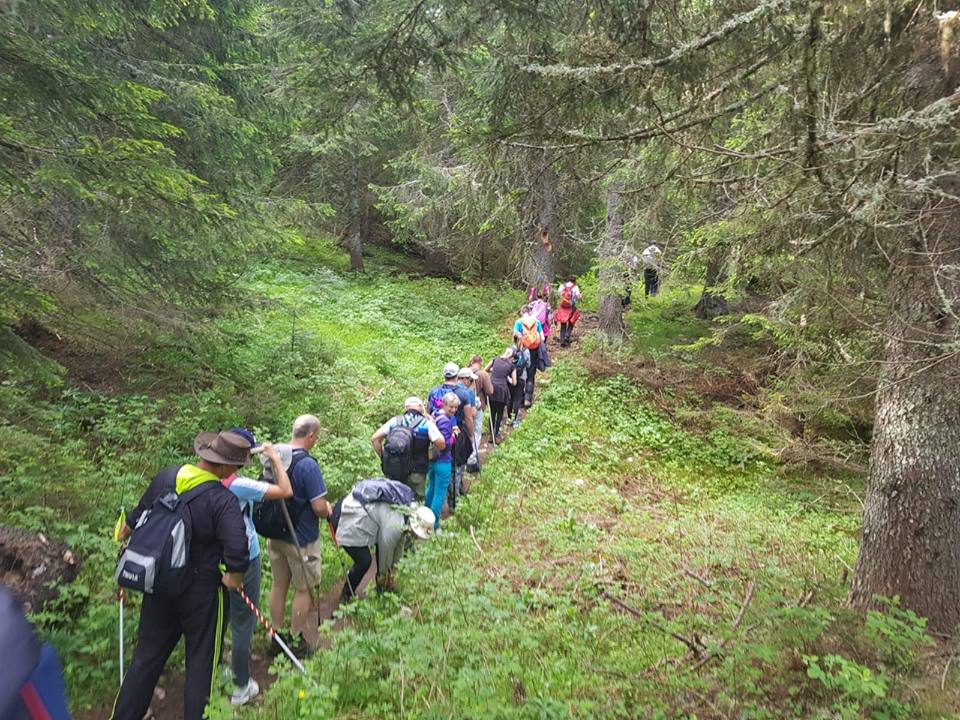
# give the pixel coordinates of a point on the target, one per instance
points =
(307, 482)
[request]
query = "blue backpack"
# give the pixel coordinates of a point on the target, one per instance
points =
(157, 559)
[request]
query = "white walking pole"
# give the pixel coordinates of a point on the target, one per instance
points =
(121, 636)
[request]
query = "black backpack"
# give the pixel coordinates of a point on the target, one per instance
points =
(398, 459)
(268, 516)
(157, 559)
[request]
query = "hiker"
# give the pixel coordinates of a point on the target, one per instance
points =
(455, 382)
(31, 685)
(242, 620)
(197, 612)
(503, 377)
(307, 506)
(567, 314)
(540, 308)
(532, 339)
(466, 419)
(651, 270)
(407, 457)
(441, 466)
(521, 363)
(376, 513)
(483, 387)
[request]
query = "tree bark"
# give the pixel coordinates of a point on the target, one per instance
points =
(911, 519)
(353, 242)
(712, 304)
(612, 275)
(546, 225)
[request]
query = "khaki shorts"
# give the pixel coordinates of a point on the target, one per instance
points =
(288, 566)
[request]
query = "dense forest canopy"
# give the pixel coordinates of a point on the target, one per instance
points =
(798, 160)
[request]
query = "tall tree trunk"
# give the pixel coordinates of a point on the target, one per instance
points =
(712, 304)
(356, 226)
(911, 519)
(546, 225)
(612, 276)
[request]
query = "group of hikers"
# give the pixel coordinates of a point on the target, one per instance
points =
(193, 541)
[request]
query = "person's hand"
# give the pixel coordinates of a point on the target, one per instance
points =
(456, 431)
(232, 580)
(270, 452)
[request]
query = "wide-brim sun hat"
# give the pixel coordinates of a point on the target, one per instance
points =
(422, 521)
(222, 448)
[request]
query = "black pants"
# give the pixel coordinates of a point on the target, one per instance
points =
(516, 397)
(497, 411)
(566, 331)
(651, 281)
(362, 559)
(200, 616)
(531, 380)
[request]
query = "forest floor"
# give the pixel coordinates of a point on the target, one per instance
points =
(655, 540)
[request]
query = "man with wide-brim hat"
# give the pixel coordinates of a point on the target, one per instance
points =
(218, 534)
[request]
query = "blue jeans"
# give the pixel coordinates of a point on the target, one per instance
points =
(438, 480)
(243, 622)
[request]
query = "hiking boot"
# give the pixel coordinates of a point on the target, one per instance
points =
(303, 650)
(274, 648)
(516, 423)
(245, 694)
(473, 468)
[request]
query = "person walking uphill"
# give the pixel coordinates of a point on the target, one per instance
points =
(652, 256)
(521, 363)
(483, 387)
(441, 465)
(532, 339)
(503, 376)
(406, 456)
(456, 383)
(307, 506)
(242, 620)
(567, 314)
(198, 612)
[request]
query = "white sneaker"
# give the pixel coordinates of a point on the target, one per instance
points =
(245, 695)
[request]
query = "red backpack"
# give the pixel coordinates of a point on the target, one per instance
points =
(566, 296)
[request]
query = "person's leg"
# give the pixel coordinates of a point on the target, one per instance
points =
(203, 615)
(474, 459)
(431, 485)
(496, 416)
(305, 612)
(656, 282)
(647, 281)
(453, 488)
(159, 633)
(531, 384)
(281, 583)
(243, 623)
(361, 563)
(439, 483)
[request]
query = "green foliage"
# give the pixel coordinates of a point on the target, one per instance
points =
(896, 633)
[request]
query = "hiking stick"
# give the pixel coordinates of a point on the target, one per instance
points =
(296, 543)
(272, 632)
(493, 438)
(121, 636)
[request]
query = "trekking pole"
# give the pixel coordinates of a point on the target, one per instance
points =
(493, 438)
(272, 632)
(121, 521)
(336, 551)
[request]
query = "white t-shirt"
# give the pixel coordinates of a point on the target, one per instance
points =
(411, 420)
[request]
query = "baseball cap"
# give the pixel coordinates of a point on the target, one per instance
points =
(450, 370)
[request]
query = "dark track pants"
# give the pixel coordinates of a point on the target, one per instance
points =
(199, 615)
(362, 560)
(651, 282)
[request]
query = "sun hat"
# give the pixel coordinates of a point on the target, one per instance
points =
(450, 370)
(413, 403)
(286, 457)
(422, 521)
(467, 373)
(223, 448)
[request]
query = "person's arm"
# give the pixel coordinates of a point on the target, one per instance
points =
(389, 539)
(469, 413)
(314, 487)
(377, 441)
(487, 385)
(156, 486)
(434, 435)
(283, 488)
(231, 531)
(512, 378)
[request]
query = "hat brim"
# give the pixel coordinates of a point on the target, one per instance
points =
(201, 447)
(420, 530)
